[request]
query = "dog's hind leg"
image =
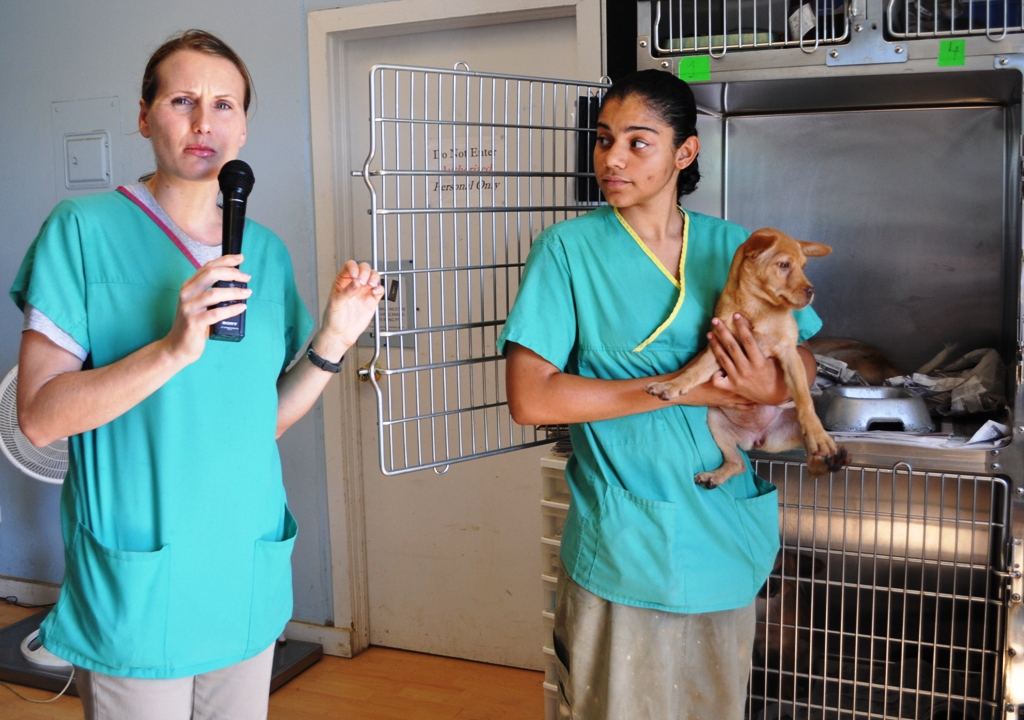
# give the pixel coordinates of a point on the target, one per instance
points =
(724, 433)
(698, 372)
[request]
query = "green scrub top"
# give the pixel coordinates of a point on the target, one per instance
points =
(177, 535)
(595, 302)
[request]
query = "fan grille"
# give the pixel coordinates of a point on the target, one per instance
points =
(50, 463)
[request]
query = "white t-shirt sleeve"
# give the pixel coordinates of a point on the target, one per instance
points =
(36, 320)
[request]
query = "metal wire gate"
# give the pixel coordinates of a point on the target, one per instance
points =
(713, 27)
(465, 169)
(885, 601)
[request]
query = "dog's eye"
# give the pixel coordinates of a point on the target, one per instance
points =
(784, 265)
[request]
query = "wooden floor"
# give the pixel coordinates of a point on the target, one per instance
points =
(379, 684)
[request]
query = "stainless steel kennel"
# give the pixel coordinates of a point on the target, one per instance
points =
(889, 129)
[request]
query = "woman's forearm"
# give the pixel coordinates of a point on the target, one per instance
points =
(298, 389)
(540, 394)
(56, 398)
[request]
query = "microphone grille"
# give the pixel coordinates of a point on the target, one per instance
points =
(236, 176)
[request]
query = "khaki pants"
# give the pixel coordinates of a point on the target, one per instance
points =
(237, 692)
(618, 662)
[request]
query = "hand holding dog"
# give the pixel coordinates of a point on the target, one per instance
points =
(746, 371)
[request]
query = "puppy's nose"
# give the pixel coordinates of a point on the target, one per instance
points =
(809, 291)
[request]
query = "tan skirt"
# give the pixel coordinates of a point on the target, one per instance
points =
(618, 662)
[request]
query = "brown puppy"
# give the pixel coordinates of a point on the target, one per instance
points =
(766, 283)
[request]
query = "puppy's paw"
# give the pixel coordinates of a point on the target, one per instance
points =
(665, 391)
(818, 465)
(839, 459)
(819, 443)
(709, 480)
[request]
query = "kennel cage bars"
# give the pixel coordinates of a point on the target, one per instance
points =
(465, 169)
(753, 34)
(715, 27)
(886, 604)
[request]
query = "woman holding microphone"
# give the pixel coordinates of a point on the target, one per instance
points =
(177, 534)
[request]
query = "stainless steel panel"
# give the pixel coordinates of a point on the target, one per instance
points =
(861, 92)
(912, 203)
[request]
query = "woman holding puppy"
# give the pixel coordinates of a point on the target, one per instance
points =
(654, 615)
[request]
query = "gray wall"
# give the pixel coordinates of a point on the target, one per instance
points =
(63, 50)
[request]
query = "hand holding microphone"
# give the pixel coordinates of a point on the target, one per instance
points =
(236, 180)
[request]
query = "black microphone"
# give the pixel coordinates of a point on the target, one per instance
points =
(236, 181)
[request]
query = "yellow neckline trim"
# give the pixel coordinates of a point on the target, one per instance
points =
(647, 250)
(680, 283)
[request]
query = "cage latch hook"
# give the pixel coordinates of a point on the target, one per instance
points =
(364, 372)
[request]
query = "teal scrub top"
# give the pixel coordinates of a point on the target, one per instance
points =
(177, 535)
(595, 302)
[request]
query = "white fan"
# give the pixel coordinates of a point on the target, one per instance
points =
(49, 464)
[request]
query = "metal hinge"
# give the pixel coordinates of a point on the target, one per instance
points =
(363, 373)
(1013, 569)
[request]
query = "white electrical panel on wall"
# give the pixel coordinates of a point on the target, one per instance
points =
(87, 160)
(86, 146)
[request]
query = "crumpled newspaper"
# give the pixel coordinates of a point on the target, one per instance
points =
(834, 372)
(971, 383)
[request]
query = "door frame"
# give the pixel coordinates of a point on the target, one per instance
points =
(328, 31)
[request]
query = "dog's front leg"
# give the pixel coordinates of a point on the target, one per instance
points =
(698, 372)
(822, 452)
(724, 432)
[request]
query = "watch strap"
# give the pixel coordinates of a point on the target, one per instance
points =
(321, 362)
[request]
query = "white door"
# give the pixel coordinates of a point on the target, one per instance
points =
(453, 561)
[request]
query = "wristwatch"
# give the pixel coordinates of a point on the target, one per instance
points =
(321, 363)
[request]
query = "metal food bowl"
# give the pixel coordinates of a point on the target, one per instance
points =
(860, 409)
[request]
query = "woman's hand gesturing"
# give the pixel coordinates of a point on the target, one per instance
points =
(355, 294)
(196, 313)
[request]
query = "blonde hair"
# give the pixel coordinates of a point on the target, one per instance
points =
(199, 41)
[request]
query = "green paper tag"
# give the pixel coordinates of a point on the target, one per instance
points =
(698, 68)
(951, 53)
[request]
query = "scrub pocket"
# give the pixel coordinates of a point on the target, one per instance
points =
(271, 586)
(729, 546)
(115, 610)
(759, 518)
(635, 549)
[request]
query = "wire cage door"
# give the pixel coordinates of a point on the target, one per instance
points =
(465, 169)
(886, 600)
(714, 27)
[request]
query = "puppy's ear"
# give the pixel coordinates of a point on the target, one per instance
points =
(759, 241)
(811, 249)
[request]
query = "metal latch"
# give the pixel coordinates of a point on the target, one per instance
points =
(364, 372)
